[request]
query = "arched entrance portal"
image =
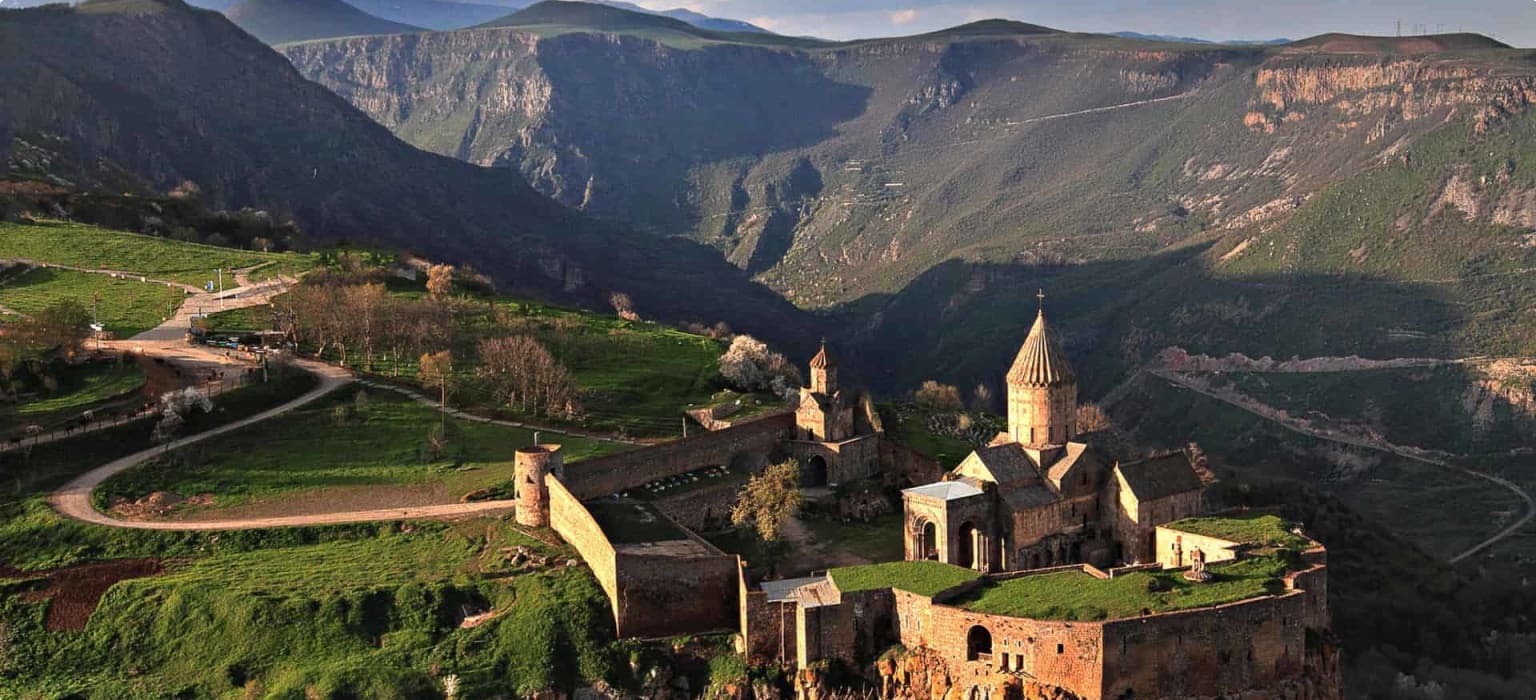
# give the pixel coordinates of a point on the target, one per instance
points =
(978, 644)
(965, 555)
(814, 473)
(928, 541)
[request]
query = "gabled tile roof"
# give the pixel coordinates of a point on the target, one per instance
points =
(1160, 477)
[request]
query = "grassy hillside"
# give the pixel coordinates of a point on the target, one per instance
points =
(284, 21)
(364, 616)
(125, 307)
(96, 248)
(376, 447)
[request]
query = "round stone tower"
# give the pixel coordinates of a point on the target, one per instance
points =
(531, 465)
(1042, 390)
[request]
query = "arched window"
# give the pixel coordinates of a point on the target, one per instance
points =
(927, 544)
(978, 644)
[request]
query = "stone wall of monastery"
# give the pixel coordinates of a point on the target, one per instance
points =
(1220, 651)
(663, 596)
(757, 440)
(574, 523)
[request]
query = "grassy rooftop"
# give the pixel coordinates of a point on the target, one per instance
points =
(1248, 528)
(920, 577)
(1075, 595)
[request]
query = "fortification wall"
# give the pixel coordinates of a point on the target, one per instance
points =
(602, 476)
(574, 523)
(906, 465)
(1220, 651)
(662, 596)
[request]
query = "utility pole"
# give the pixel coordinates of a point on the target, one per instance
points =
(221, 289)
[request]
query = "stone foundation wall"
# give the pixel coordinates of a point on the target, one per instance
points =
(905, 465)
(1221, 651)
(767, 629)
(663, 596)
(758, 439)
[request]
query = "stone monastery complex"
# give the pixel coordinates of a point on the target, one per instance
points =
(1037, 567)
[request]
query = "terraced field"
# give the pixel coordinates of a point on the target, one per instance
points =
(80, 245)
(125, 306)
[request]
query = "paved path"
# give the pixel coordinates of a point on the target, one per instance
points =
(1258, 409)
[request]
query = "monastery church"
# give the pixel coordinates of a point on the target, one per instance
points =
(1036, 496)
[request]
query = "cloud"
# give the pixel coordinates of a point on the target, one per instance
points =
(903, 16)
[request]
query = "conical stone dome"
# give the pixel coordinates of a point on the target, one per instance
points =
(1041, 362)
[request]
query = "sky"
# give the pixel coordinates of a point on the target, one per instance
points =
(1510, 21)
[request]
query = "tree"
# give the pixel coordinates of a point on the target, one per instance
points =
(440, 280)
(623, 306)
(937, 397)
(437, 368)
(981, 397)
(769, 500)
(750, 366)
(62, 326)
(1091, 418)
(523, 374)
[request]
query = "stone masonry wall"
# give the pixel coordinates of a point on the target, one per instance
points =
(1219, 651)
(1065, 654)
(662, 596)
(602, 476)
(702, 509)
(767, 629)
(571, 520)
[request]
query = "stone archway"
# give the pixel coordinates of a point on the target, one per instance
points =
(814, 473)
(978, 644)
(965, 554)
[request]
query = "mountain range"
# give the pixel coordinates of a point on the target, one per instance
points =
(171, 94)
(1336, 195)
(284, 21)
(1328, 196)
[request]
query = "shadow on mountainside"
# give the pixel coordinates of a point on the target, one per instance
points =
(961, 322)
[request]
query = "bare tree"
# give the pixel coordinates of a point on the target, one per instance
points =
(1091, 418)
(981, 397)
(623, 306)
(521, 373)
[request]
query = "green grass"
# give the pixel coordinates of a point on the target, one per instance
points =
(127, 307)
(374, 614)
(28, 471)
(80, 387)
(1075, 595)
(919, 577)
(908, 425)
(382, 441)
(635, 377)
(80, 245)
(877, 540)
(1247, 528)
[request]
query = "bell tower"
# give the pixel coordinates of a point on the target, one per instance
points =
(1042, 389)
(823, 372)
